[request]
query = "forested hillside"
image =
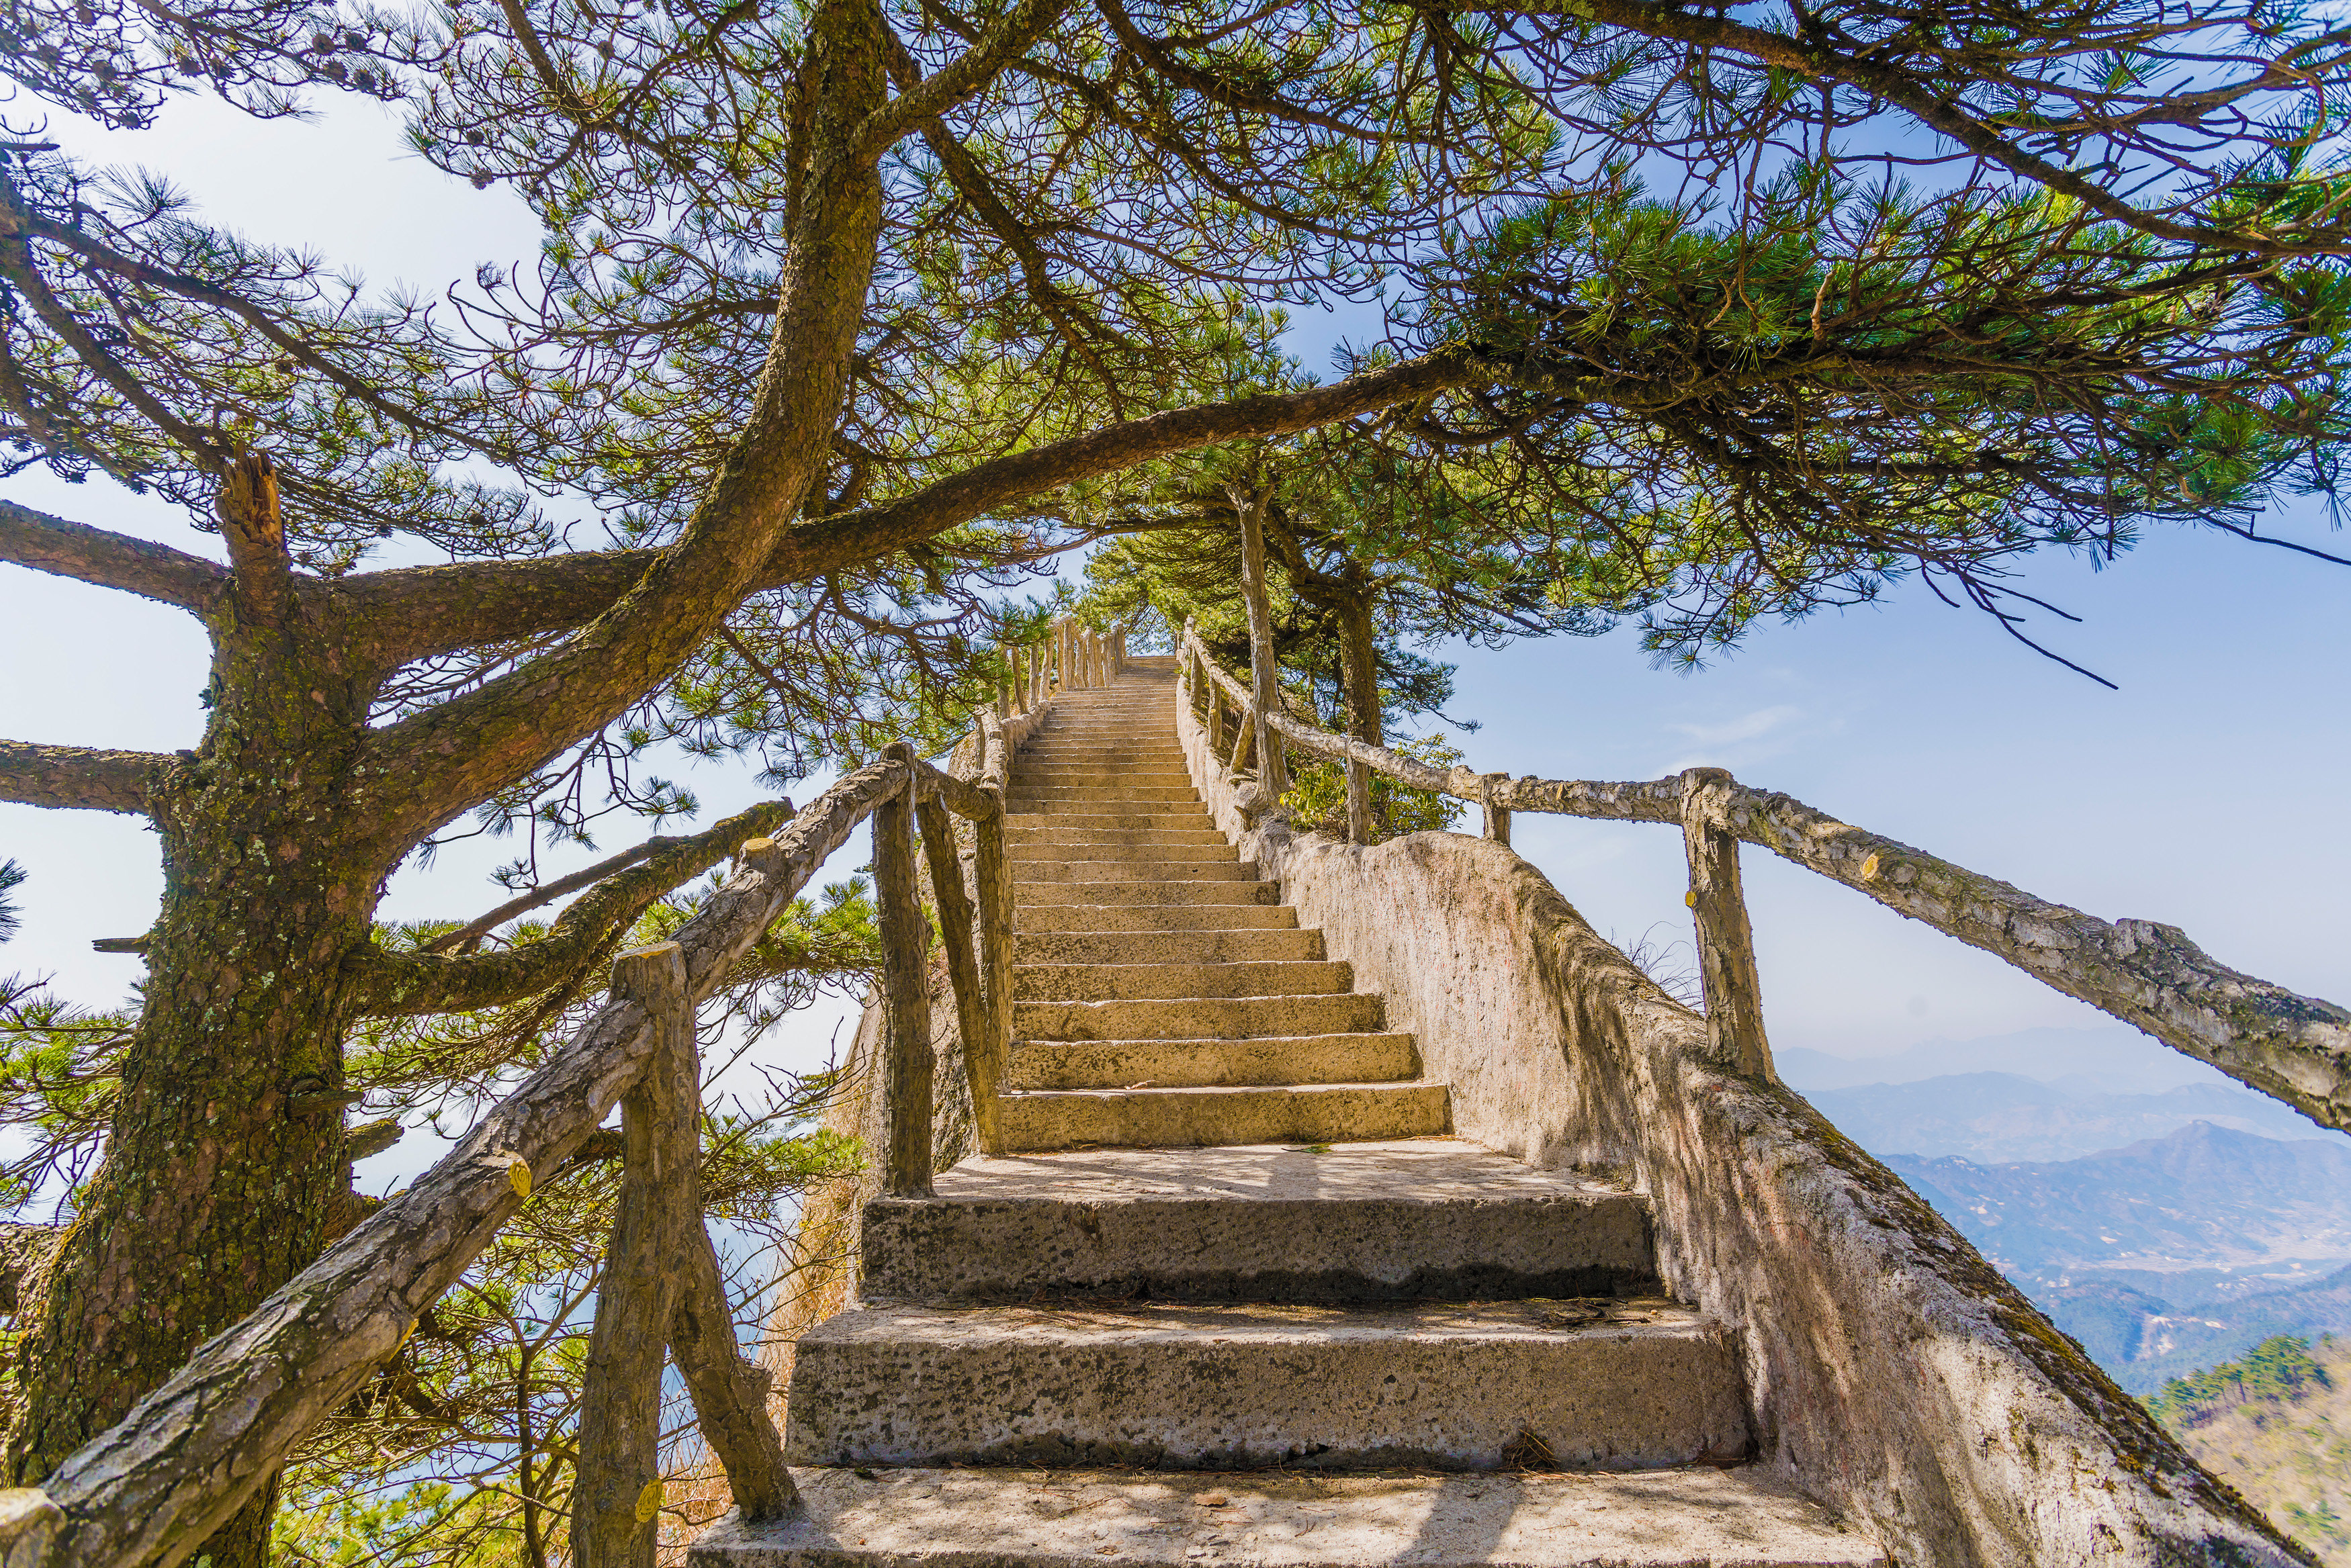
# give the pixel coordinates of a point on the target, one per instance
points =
(2276, 1425)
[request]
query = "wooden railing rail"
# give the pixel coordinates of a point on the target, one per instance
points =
(2291, 1047)
(151, 1489)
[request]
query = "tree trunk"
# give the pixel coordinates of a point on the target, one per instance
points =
(225, 1158)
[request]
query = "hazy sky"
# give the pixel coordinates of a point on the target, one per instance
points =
(2207, 793)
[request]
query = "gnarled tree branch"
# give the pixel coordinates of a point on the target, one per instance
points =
(88, 555)
(405, 984)
(81, 776)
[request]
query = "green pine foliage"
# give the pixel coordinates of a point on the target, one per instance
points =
(2279, 1369)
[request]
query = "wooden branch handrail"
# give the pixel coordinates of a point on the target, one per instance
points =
(149, 1489)
(2290, 1047)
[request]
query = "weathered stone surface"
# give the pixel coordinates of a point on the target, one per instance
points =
(1601, 1385)
(1268, 916)
(1438, 1218)
(1380, 1058)
(1126, 891)
(1288, 1112)
(1702, 1518)
(1176, 978)
(1214, 946)
(1185, 1018)
(1896, 1376)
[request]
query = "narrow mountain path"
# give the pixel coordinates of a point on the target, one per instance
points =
(1240, 1299)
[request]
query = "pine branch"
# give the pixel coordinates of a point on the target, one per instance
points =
(64, 549)
(399, 985)
(76, 776)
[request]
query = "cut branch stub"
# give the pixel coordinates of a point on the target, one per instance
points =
(1726, 946)
(907, 1062)
(660, 1205)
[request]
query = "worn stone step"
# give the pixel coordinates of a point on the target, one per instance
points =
(1202, 869)
(1064, 757)
(1600, 1385)
(1198, 1018)
(1165, 946)
(1044, 919)
(1105, 797)
(1202, 836)
(1379, 1058)
(1190, 819)
(1098, 848)
(1205, 891)
(1708, 1518)
(1432, 1219)
(1087, 770)
(1128, 981)
(1224, 1114)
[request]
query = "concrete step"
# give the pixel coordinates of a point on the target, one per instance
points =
(1133, 981)
(1103, 797)
(1589, 1385)
(1123, 839)
(1026, 891)
(1083, 769)
(1188, 870)
(1224, 1114)
(1432, 1219)
(1378, 1058)
(1112, 819)
(1165, 946)
(1198, 1018)
(1042, 920)
(1052, 850)
(1063, 1518)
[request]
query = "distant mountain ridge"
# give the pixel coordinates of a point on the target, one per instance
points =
(2204, 1195)
(2006, 1117)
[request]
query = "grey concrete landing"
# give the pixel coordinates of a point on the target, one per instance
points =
(1085, 1519)
(1586, 1384)
(1429, 1219)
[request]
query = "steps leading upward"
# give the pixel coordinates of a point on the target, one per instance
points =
(1235, 1238)
(1162, 995)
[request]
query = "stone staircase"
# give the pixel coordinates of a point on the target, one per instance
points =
(1239, 1298)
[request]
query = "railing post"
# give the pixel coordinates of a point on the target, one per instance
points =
(973, 1025)
(1359, 803)
(1265, 686)
(1497, 826)
(616, 1501)
(907, 1061)
(1726, 944)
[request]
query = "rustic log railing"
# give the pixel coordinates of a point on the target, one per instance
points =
(2294, 1048)
(148, 1491)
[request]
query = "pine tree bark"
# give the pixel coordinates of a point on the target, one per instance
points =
(225, 1161)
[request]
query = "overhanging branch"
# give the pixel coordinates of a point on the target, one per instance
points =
(88, 555)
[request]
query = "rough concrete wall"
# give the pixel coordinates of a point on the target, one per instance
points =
(1896, 1376)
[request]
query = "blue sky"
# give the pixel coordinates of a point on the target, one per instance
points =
(2207, 793)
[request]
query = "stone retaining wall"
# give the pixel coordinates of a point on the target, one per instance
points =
(1896, 1376)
